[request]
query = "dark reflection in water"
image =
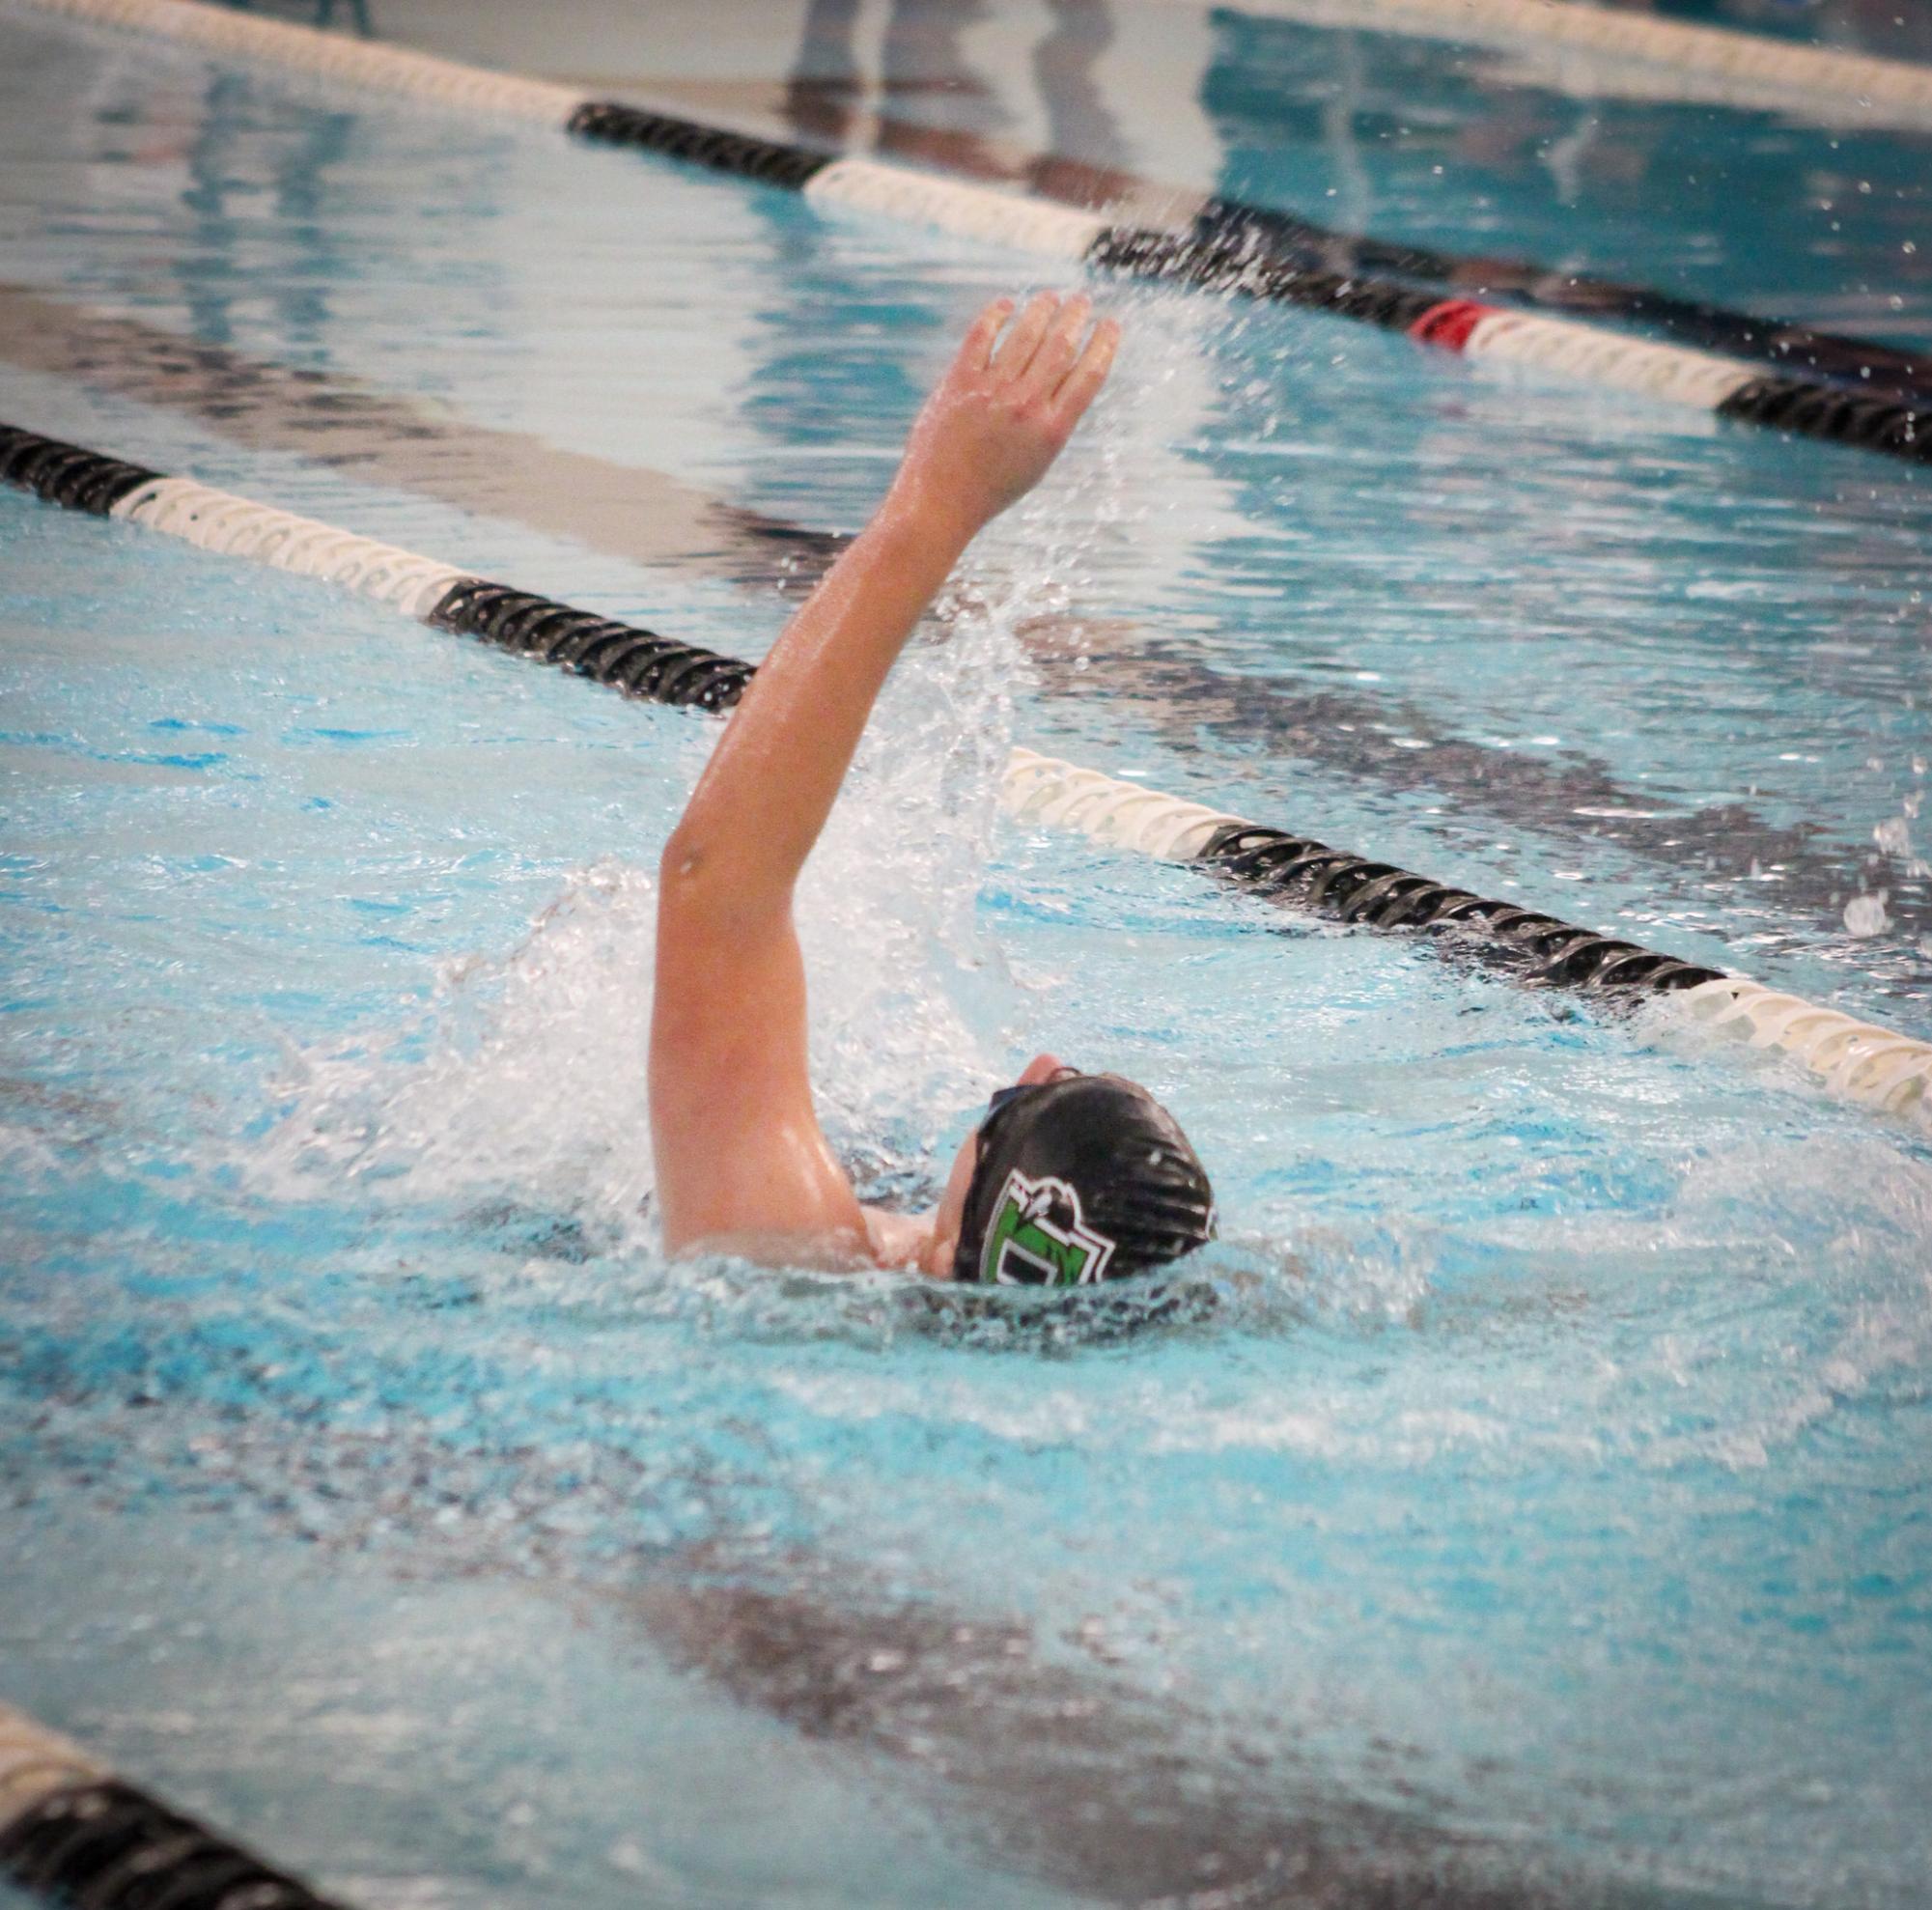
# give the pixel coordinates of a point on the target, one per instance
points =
(322, 14)
(1077, 116)
(226, 160)
(931, 108)
(626, 510)
(920, 56)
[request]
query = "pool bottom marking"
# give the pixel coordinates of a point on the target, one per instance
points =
(73, 1833)
(1135, 1814)
(1869, 1064)
(624, 510)
(1040, 1749)
(1238, 259)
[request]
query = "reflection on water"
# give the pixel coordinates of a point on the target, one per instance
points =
(323, 14)
(925, 74)
(314, 253)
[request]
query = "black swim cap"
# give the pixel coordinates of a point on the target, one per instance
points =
(1077, 1180)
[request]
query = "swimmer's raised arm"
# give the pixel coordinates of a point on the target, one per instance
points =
(985, 438)
(738, 1149)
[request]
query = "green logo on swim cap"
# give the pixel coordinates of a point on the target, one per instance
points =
(1039, 1237)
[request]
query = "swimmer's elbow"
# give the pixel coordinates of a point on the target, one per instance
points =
(698, 871)
(680, 868)
(687, 904)
(701, 885)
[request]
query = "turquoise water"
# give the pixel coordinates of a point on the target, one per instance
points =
(1544, 1483)
(1754, 210)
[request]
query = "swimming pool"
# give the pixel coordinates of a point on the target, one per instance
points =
(1542, 1501)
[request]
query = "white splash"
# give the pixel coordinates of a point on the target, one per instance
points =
(526, 1073)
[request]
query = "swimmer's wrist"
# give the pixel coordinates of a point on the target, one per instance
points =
(932, 510)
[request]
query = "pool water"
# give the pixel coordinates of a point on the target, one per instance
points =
(1530, 1489)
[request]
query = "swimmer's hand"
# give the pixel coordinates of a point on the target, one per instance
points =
(1004, 412)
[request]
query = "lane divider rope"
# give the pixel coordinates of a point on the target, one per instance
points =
(1237, 259)
(1473, 328)
(1666, 372)
(1856, 363)
(951, 205)
(217, 521)
(1856, 1059)
(72, 1833)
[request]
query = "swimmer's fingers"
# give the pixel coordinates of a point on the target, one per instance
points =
(1029, 328)
(1082, 385)
(976, 347)
(1058, 352)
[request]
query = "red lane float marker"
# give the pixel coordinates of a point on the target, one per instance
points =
(1448, 326)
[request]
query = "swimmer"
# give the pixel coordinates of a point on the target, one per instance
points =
(1069, 1178)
